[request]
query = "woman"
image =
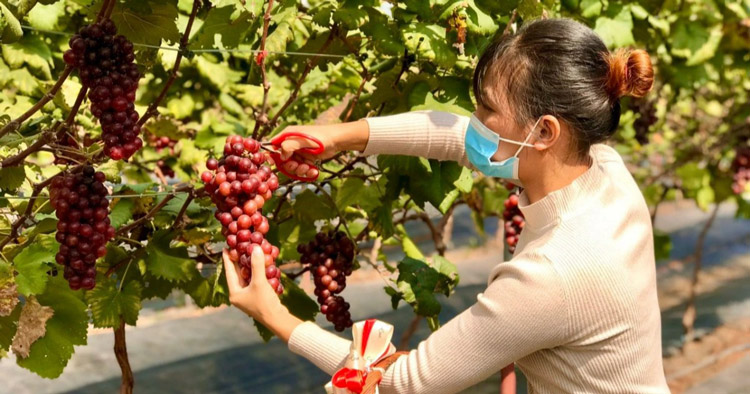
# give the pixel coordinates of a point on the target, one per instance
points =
(576, 307)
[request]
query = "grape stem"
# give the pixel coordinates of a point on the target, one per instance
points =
(153, 107)
(103, 11)
(262, 117)
(296, 274)
(16, 123)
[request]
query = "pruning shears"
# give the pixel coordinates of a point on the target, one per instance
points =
(280, 163)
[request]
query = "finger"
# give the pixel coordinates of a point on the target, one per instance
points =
(302, 169)
(292, 144)
(291, 166)
(234, 281)
(258, 264)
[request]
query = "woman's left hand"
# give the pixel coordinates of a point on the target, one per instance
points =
(257, 298)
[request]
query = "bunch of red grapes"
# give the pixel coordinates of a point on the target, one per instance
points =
(105, 63)
(741, 168)
(165, 168)
(162, 142)
(239, 184)
(514, 222)
(83, 227)
(330, 258)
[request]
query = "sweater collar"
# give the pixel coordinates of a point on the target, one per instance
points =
(558, 204)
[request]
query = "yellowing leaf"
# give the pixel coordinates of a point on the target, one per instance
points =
(31, 326)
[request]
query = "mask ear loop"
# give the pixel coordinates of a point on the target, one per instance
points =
(525, 144)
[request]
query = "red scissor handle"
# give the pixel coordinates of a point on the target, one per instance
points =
(276, 156)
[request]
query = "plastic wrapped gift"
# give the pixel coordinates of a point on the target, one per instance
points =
(371, 342)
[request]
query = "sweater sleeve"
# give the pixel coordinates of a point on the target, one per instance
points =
(431, 134)
(523, 310)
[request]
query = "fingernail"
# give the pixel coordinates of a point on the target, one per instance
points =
(257, 251)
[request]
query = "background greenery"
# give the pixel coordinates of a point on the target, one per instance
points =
(381, 59)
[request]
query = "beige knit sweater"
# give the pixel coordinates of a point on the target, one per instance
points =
(575, 307)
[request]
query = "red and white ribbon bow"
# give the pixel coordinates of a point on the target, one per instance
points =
(371, 342)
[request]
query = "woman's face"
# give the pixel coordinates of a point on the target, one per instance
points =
(502, 123)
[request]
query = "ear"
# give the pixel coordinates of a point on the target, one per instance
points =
(547, 132)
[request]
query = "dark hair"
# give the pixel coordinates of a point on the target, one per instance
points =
(560, 67)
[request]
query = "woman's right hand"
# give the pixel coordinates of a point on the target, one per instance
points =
(335, 138)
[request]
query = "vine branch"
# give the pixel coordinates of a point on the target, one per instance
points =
(262, 118)
(27, 213)
(152, 108)
(688, 317)
(16, 123)
(181, 213)
(121, 353)
(311, 63)
(153, 211)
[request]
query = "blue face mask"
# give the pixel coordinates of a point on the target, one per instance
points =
(482, 143)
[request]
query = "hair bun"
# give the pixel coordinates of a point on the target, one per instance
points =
(630, 73)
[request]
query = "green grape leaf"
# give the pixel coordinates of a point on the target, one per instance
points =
(416, 282)
(168, 262)
(109, 303)
(351, 18)
(200, 290)
(147, 21)
(478, 21)
(297, 301)
(219, 74)
(591, 8)
(616, 27)
(31, 265)
(121, 212)
(385, 36)
(154, 287)
(693, 177)
(662, 245)
(448, 275)
(67, 327)
(263, 331)
(429, 42)
(530, 9)
(221, 29)
(309, 206)
(10, 28)
(354, 192)
(46, 17)
(32, 51)
(11, 178)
